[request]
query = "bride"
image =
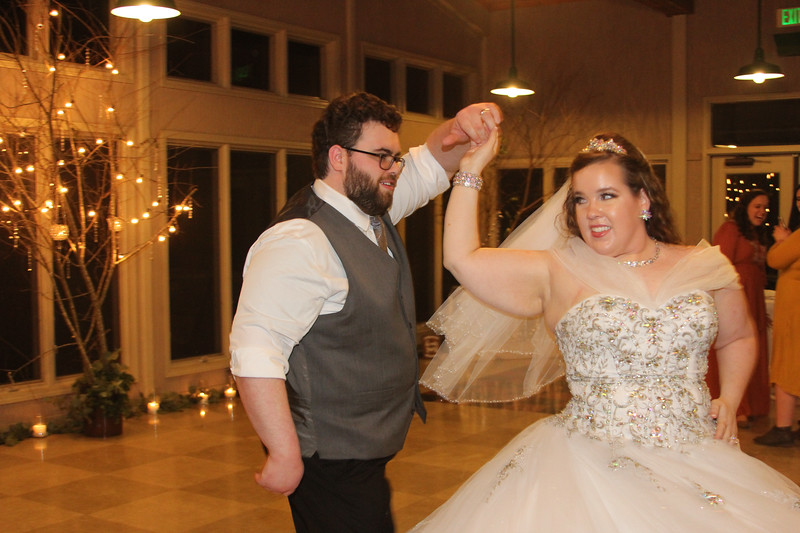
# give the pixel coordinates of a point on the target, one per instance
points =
(641, 446)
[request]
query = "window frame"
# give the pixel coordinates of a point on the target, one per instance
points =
(399, 60)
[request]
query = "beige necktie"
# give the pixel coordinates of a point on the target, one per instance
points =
(380, 234)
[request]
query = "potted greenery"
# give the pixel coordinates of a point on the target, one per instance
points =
(100, 399)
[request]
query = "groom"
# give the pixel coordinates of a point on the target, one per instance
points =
(323, 343)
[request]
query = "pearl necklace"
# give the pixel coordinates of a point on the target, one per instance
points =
(643, 262)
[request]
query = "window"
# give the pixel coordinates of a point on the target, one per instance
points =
(561, 174)
(298, 173)
(80, 32)
(417, 90)
(305, 69)
(13, 23)
(521, 191)
(86, 179)
(770, 122)
(18, 289)
(17, 317)
(378, 78)
(188, 49)
(453, 99)
(420, 239)
(252, 207)
(193, 259)
(250, 55)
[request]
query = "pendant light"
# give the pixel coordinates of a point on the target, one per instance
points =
(145, 10)
(512, 86)
(759, 70)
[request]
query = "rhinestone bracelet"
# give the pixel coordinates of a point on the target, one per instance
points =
(468, 179)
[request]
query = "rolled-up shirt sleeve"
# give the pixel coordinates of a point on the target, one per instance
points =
(289, 280)
(422, 179)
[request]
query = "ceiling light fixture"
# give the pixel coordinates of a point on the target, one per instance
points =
(759, 70)
(145, 10)
(512, 86)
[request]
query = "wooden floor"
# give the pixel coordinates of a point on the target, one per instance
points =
(191, 472)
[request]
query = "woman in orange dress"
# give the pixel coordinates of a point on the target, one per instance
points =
(784, 256)
(743, 239)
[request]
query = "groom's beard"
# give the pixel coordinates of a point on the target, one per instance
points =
(365, 192)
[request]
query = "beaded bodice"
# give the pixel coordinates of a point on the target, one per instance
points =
(637, 374)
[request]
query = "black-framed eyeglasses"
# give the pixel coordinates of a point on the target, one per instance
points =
(385, 161)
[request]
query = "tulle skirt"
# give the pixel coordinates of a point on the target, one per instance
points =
(551, 481)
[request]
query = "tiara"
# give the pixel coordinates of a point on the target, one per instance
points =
(599, 145)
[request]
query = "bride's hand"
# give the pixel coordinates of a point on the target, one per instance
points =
(478, 156)
(725, 417)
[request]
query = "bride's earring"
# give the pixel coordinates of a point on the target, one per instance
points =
(646, 215)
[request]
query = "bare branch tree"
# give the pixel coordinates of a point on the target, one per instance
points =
(71, 179)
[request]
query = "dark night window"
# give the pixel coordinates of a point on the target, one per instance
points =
(764, 123)
(520, 194)
(13, 22)
(188, 49)
(80, 32)
(86, 179)
(17, 317)
(378, 78)
(252, 207)
(298, 173)
(18, 286)
(452, 95)
(193, 259)
(250, 60)
(305, 69)
(417, 100)
(420, 239)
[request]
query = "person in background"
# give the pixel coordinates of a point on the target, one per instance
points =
(784, 368)
(744, 239)
(640, 446)
(323, 343)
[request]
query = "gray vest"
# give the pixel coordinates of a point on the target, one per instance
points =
(352, 381)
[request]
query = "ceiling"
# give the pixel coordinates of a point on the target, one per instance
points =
(668, 7)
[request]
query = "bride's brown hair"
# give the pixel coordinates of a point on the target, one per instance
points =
(639, 176)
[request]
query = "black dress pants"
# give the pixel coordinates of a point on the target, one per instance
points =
(342, 496)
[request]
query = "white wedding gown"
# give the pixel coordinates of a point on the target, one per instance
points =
(633, 450)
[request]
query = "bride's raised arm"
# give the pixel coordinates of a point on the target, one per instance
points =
(514, 281)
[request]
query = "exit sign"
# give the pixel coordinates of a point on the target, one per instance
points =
(788, 16)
